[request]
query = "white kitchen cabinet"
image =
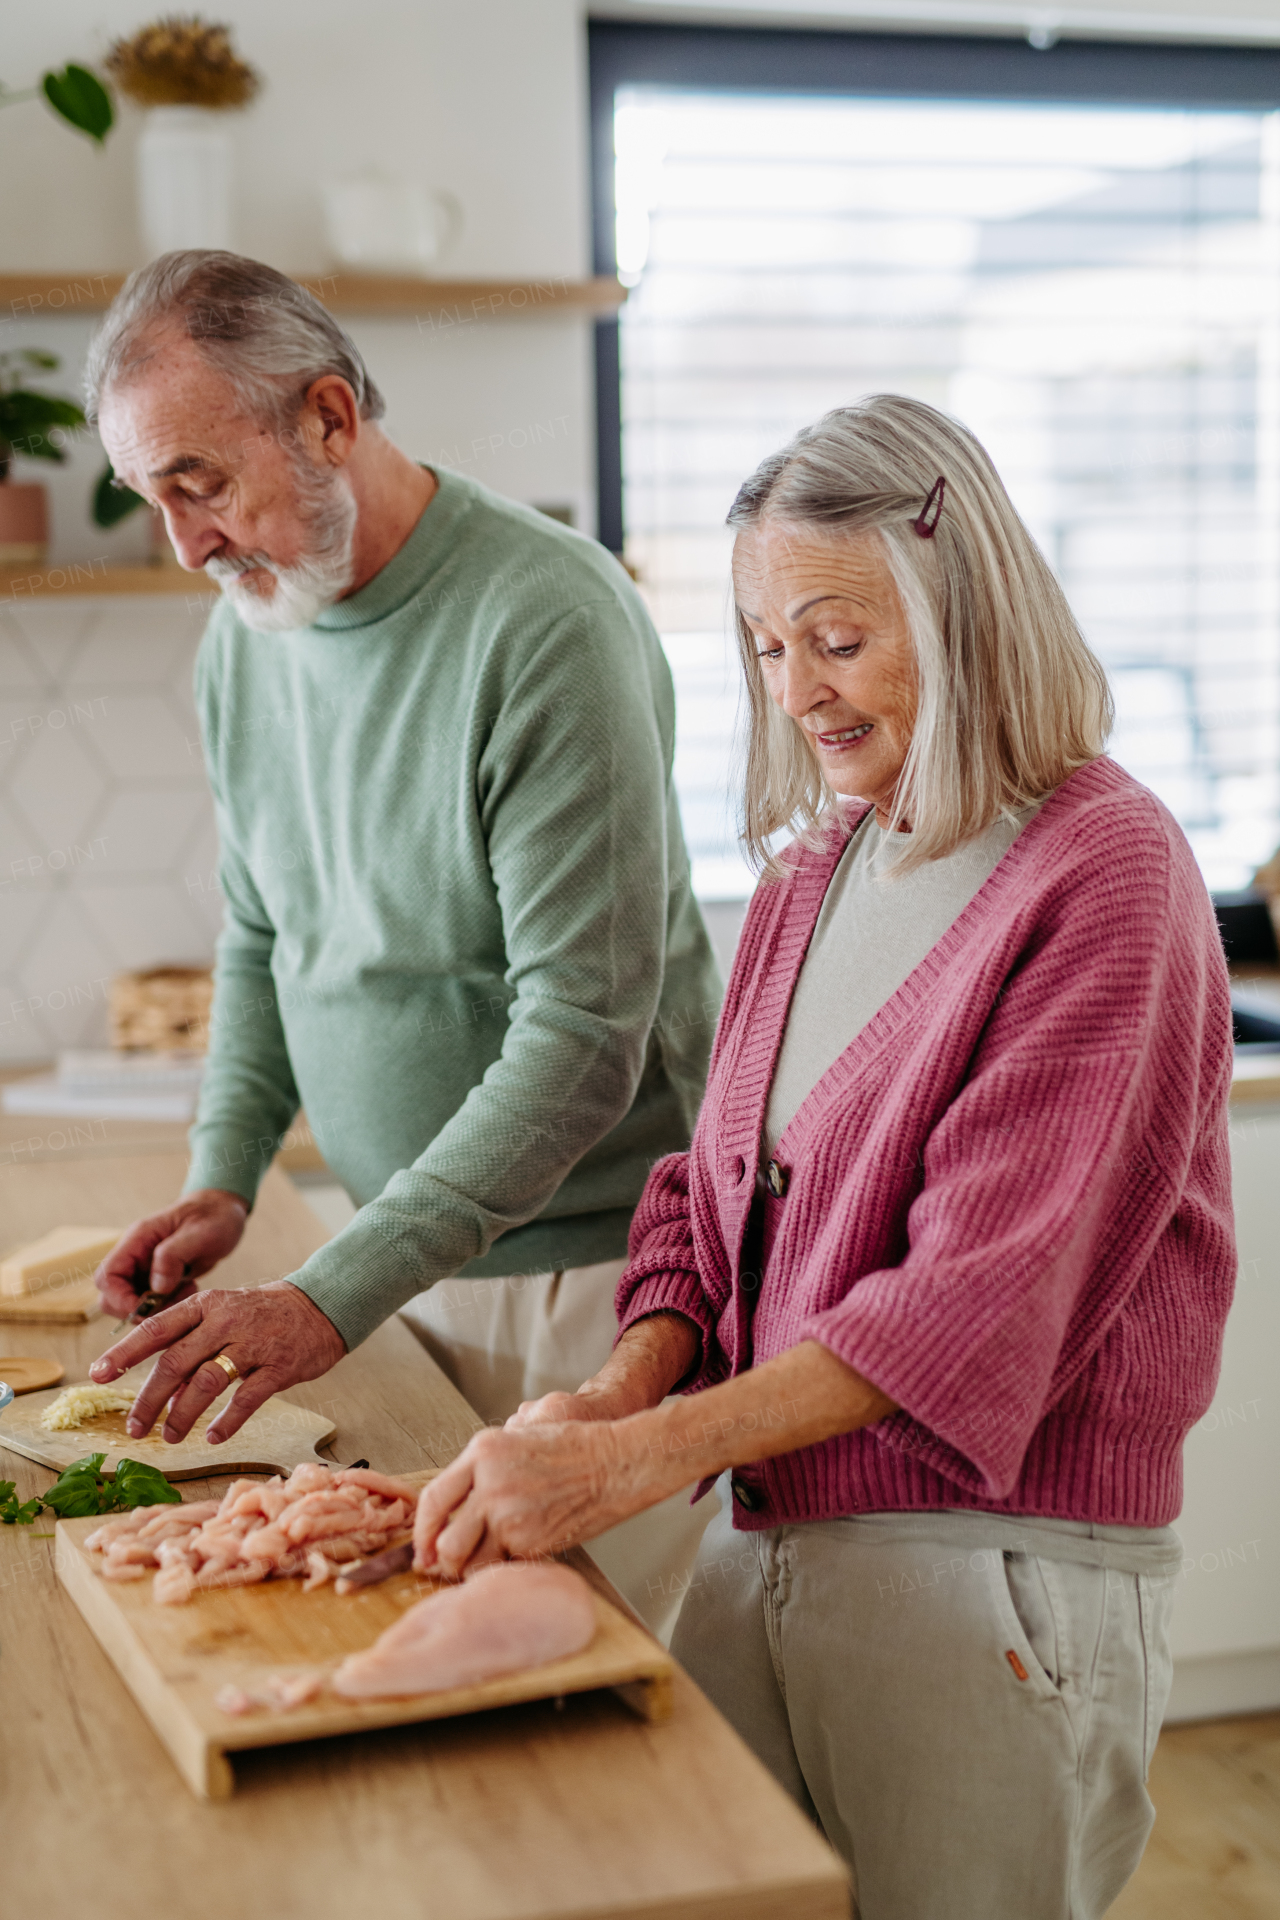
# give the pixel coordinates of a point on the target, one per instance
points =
(1226, 1629)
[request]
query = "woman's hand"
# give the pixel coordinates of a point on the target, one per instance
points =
(647, 1362)
(524, 1495)
(540, 1488)
(556, 1409)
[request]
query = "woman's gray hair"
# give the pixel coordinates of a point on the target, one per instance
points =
(1011, 699)
(265, 333)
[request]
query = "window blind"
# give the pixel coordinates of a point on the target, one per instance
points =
(1094, 290)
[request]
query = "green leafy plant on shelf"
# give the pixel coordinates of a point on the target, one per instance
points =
(112, 500)
(75, 94)
(28, 417)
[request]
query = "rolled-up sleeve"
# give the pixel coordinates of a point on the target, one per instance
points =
(661, 1274)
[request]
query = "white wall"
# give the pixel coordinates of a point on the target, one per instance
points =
(106, 842)
(486, 99)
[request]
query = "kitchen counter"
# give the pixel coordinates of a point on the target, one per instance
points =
(27, 1137)
(522, 1814)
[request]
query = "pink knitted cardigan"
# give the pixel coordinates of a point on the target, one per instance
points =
(1008, 1202)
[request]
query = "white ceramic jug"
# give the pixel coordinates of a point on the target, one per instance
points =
(378, 223)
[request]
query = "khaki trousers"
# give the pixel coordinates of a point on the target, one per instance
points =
(970, 1726)
(506, 1340)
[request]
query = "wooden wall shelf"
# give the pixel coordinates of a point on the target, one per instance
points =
(38, 580)
(463, 302)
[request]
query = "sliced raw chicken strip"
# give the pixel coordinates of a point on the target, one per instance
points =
(117, 1528)
(377, 1483)
(168, 1521)
(231, 1699)
(320, 1571)
(286, 1690)
(502, 1620)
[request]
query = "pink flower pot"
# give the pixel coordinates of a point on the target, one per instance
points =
(24, 522)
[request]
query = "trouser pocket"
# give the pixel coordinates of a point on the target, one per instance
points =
(1034, 1610)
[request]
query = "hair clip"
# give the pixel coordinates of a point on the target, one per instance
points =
(926, 521)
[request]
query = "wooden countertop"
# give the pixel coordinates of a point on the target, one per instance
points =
(525, 1814)
(29, 1137)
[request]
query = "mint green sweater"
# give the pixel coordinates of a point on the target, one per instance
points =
(459, 925)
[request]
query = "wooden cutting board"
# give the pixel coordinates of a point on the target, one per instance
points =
(58, 1306)
(28, 1372)
(275, 1439)
(175, 1659)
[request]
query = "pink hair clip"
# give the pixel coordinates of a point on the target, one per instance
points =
(926, 522)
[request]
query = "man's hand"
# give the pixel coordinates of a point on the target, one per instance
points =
(168, 1252)
(274, 1335)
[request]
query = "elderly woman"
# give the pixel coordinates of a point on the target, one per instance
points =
(946, 1267)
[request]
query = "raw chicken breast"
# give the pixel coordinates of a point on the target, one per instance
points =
(502, 1620)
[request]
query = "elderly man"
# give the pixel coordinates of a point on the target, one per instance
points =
(459, 924)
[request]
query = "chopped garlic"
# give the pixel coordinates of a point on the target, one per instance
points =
(78, 1404)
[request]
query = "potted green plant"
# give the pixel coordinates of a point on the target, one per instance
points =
(75, 94)
(33, 426)
(114, 502)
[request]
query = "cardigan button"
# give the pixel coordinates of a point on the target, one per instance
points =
(740, 1170)
(746, 1495)
(776, 1179)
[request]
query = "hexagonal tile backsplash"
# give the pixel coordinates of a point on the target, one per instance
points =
(106, 824)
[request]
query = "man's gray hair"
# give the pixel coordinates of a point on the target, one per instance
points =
(265, 333)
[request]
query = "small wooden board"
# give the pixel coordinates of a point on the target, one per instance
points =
(56, 1306)
(29, 1372)
(175, 1659)
(275, 1439)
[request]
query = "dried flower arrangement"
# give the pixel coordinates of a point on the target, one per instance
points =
(182, 61)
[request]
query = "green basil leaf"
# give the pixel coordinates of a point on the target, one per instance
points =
(78, 1489)
(72, 1499)
(144, 1486)
(93, 1461)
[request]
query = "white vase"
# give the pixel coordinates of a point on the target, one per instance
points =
(184, 179)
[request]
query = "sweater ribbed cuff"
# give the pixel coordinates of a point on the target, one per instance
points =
(357, 1281)
(980, 1442)
(673, 1292)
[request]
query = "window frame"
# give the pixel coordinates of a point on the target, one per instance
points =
(851, 64)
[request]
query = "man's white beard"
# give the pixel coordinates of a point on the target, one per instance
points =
(328, 510)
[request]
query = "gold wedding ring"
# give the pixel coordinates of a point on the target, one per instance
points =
(227, 1364)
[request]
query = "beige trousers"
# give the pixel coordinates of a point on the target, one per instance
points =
(506, 1340)
(970, 1726)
